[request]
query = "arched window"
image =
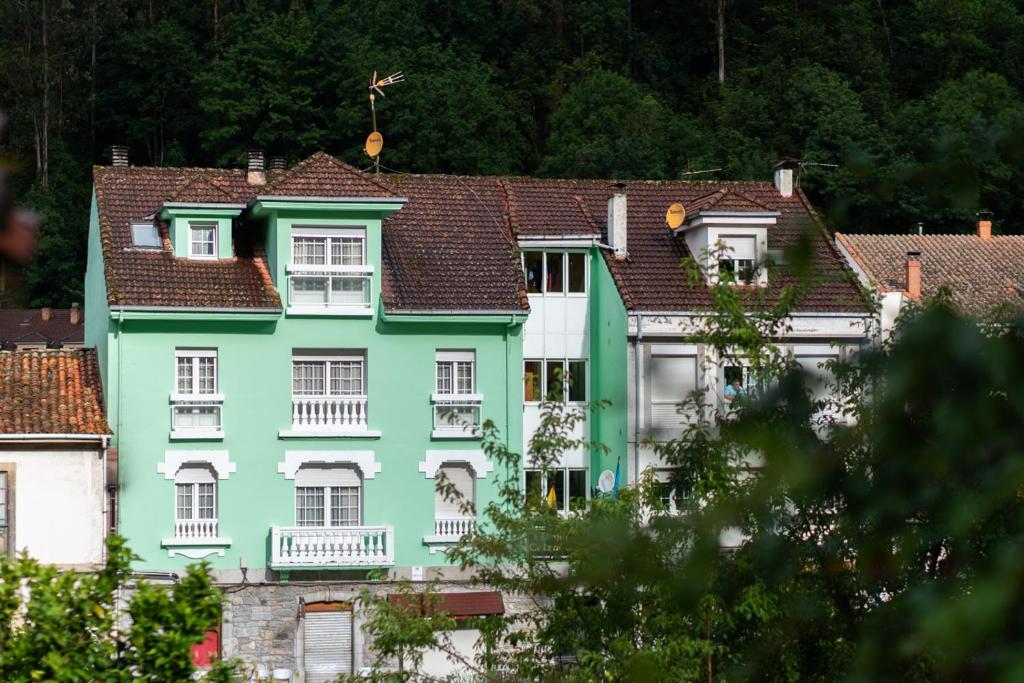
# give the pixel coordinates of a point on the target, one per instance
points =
(195, 502)
(328, 496)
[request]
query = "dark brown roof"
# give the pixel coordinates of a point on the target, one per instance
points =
(205, 190)
(321, 175)
(460, 605)
(155, 277)
(26, 326)
(449, 248)
(51, 392)
(724, 199)
(982, 275)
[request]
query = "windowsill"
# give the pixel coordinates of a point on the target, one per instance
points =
(218, 541)
(467, 434)
(197, 398)
(196, 435)
(301, 268)
(441, 540)
(334, 312)
(329, 434)
(457, 398)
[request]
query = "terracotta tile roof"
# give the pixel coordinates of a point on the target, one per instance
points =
(26, 325)
(155, 277)
(461, 605)
(51, 392)
(550, 208)
(724, 200)
(202, 190)
(984, 276)
(321, 175)
(449, 248)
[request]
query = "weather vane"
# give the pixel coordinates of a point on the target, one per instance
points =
(375, 141)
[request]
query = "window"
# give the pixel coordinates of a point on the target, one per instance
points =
(670, 496)
(737, 383)
(328, 496)
(196, 403)
(329, 268)
(555, 272)
(195, 503)
(738, 258)
(461, 478)
(202, 240)
(456, 403)
(562, 380)
(7, 511)
(672, 378)
(146, 236)
(329, 391)
(551, 490)
(340, 376)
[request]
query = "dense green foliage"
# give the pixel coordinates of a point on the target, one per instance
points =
(105, 626)
(918, 102)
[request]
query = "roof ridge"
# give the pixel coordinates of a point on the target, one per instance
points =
(298, 169)
(197, 182)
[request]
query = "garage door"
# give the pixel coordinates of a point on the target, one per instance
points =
(327, 644)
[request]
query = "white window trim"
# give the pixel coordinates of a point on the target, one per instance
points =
(327, 506)
(179, 433)
(476, 459)
(173, 462)
(203, 225)
(562, 470)
(565, 390)
(218, 460)
(299, 358)
(364, 460)
(565, 272)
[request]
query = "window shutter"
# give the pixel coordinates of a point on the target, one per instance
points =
(672, 376)
(469, 356)
(327, 476)
(462, 477)
(740, 248)
(195, 474)
(327, 645)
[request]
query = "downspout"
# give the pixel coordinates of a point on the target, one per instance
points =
(104, 510)
(117, 428)
(636, 396)
(508, 394)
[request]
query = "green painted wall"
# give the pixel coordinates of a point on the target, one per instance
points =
(97, 311)
(179, 228)
(608, 370)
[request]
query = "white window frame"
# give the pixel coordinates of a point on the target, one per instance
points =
(326, 489)
(727, 255)
(564, 473)
(565, 387)
(652, 351)
(195, 399)
(328, 362)
(565, 272)
(202, 225)
(361, 272)
(457, 396)
(194, 501)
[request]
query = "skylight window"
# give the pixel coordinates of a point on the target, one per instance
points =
(146, 236)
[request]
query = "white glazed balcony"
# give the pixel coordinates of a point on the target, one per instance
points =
(329, 416)
(456, 416)
(339, 546)
(330, 290)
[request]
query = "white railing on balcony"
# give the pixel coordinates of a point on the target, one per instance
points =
(453, 527)
(345, 546)
(329, 290)
(343, 413)
(195, 530)
(456, 415)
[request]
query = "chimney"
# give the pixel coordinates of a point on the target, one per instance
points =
(44, 314)
(617, 221)
(784, 176)
(119, 155)
(985, 224)
(914, 275)
(278, 164)
(76, 314)
(256, 174)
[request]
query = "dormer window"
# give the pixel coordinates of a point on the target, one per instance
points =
(737, 258)
(202, 242)
(329, 273)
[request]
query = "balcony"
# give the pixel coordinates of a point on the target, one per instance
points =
(450, 529)
(327, 547)
(196, 538)
(327, 416)
(196, 417)
(456, 416)
(330, 290)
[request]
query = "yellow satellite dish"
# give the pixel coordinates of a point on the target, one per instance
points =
(675, 216)
(374, 144)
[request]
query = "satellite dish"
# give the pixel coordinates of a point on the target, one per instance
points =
(374, 144)
(675, 216)
(606, 482)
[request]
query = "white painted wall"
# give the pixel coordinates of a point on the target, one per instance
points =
(58, 498)
(438, 664)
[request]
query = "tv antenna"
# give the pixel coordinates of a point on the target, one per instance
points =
(375, 141)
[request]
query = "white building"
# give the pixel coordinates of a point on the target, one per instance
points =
(53, 458)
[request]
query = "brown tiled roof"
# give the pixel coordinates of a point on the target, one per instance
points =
(461, 605)
(449, 247)
(202, 190)
(51, 392)
(724, 199)
(155, 277)
(321, 175)
(982, 275)
(550, 208)
(26, 326)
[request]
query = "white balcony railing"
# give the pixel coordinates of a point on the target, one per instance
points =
(329, 291)
(347, 546)
(341, 413)
(195, 530)
(453, 528)
(456, 415)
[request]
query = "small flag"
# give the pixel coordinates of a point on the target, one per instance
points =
(551, 500)
(615, 487)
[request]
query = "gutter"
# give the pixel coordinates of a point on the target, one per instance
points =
(441, 311)
(330, 200)
(88, 438)
(192, 309)
(636, 397)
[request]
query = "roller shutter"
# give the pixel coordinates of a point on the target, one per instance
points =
(327, 645)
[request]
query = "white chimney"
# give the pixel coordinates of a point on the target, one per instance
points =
(256, 175)
(784, 176)
(119, 155)
(617, 222)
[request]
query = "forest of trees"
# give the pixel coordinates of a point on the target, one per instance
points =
(918, 104)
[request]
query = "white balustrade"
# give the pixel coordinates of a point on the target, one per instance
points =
(329, 412)
(453, 527)
(195, 530)
(345, 546)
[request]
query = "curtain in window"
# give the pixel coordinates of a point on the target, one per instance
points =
(309, 506)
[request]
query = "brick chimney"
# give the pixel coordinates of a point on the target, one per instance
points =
(914, 275)
(617, 221)
(44, 314)
(985, 224)
(75, 316)
(119, 155)
(256, 175)
(784, 176)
